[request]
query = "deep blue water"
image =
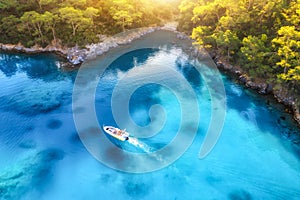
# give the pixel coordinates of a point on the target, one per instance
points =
(42, 157)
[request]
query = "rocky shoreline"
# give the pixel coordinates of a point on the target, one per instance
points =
(261, 87)
(75, 56)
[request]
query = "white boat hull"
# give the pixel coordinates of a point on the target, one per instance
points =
(116, 133)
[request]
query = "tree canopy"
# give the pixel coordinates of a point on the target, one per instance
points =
(263, 37)
(78, 22)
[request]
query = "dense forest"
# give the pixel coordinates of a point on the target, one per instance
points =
(261, 36)
(71, 22)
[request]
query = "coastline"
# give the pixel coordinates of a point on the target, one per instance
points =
(261, 88)
(75, 56)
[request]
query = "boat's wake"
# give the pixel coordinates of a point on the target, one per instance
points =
(144, 147)
(134, 141)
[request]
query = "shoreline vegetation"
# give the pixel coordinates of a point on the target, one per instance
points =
(257, 43)
(260, 86)
(75, 56)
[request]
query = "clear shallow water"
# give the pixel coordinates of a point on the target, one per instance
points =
(42, 157)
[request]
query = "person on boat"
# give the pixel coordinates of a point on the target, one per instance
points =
(119, 132)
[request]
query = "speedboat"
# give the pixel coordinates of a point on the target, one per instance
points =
(116, 133)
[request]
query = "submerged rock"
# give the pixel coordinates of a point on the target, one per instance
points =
(31, 173)
(32, 100)
(28, 144)
(137, 188)
(239, 195)
(54, 124)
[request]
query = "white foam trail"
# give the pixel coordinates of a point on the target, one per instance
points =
(146, 148)
(134, 141)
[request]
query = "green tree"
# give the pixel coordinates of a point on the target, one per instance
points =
(8, 29)
(91, 13)
(292, 14)
(207, 12)
(186, 14)
(50, 20)
(79, 4)
(123, 13)
(48, 4)
(75, 18)
(7, 4)
(227, 42)
(203, 36)
(33, 21)
(256, 54)
(288, 42)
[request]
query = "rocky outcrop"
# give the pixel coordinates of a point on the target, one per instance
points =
(76, 55)
(93, 50)
(51, 48)
(260, 86)
(297, 117)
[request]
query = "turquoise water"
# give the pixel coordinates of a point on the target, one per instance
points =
(42, 157)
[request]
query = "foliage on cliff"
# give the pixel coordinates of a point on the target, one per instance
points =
(263, 37)
(74, 22)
